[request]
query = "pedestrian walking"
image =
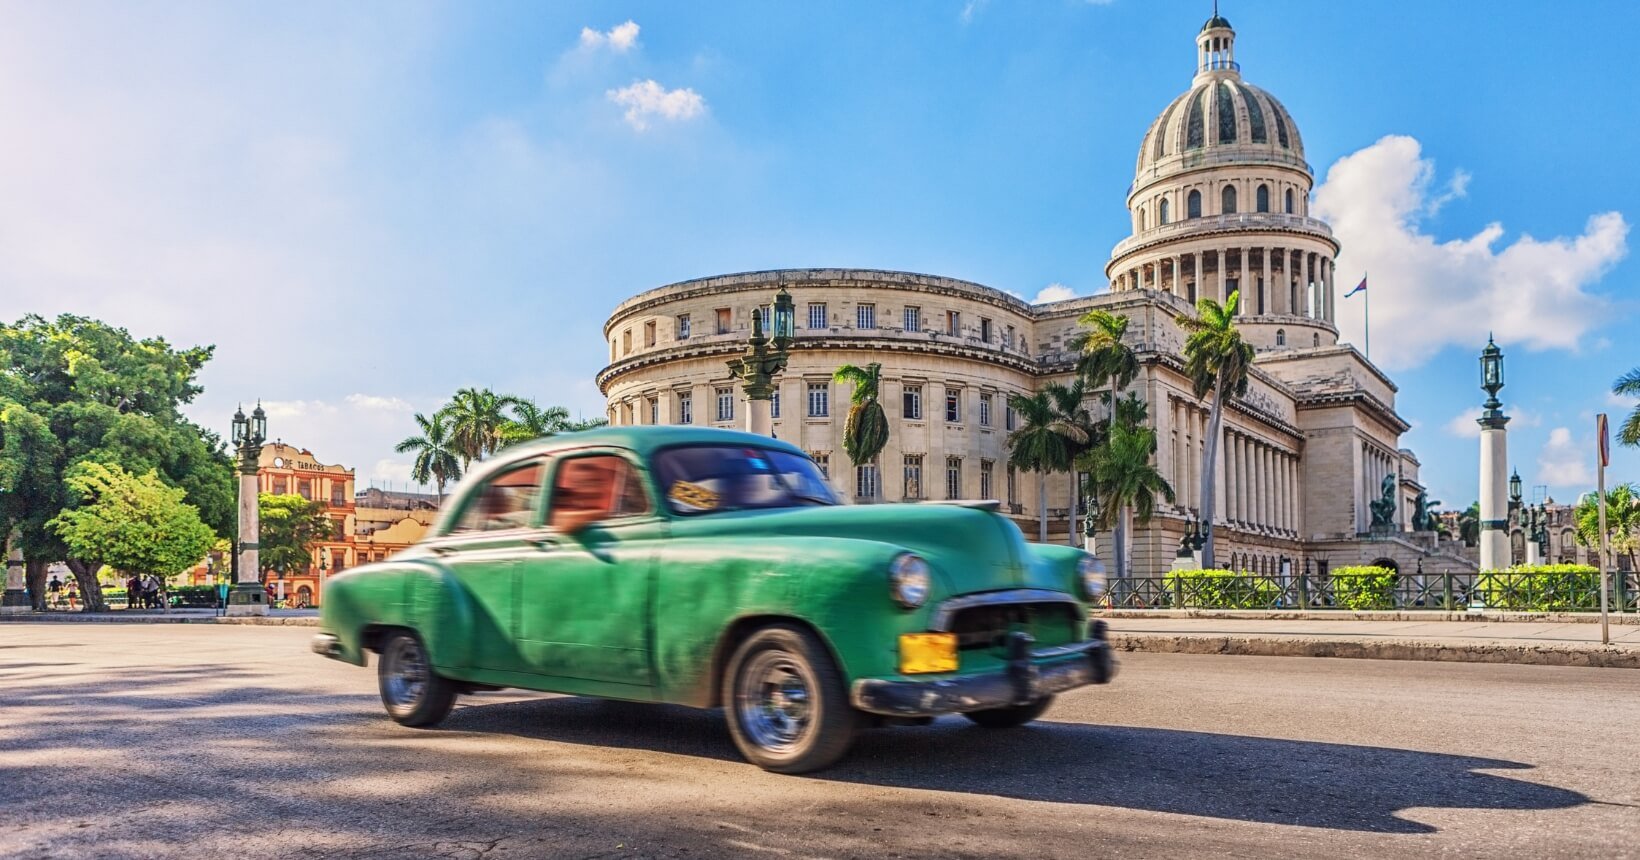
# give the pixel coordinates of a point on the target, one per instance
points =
(133, 592)
(54, 593)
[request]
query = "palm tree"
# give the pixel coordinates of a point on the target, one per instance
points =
(1067, 405)
(1628, 385)
(1622, 520)
(534, 422)
(436, 459)
(478, 422)
(1217, 361)
(1102, 356)
(1127, 482)
(865, 431)
(1042, 444)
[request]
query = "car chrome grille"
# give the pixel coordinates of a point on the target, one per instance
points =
(985, 626)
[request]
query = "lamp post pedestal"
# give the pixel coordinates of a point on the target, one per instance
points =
(1494, 540)
(16, 598)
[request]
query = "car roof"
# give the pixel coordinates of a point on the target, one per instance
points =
(644, 439)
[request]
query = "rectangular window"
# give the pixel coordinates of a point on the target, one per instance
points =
(1008, 341)
(913, 476)
(985, 410)
(953, 477)
(953, 323)
(725, 404)
(683, 326)
(654, 410)
(985, 469)
(304, 488)
(1013, 486)
(912, 407)
(338, 493)
(774, 405)
(865, 315)
(913, 319)
(1008, 417)
(865, 481)
(985, 330)
(819, 395)
(723, 319)
(280, 488)
(649, 333)
(626, 342)
(953, 405)
(817, 315)
(686, 408)
(823, 460)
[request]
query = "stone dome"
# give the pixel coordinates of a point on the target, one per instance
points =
(1221, 119)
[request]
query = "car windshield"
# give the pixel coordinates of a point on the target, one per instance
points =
(703, 479)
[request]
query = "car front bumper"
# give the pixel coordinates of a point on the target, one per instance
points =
(328, 644)
(1030, 675)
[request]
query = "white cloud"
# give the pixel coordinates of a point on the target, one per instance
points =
(390, 470)
(379, 403)
(1564, 462)
(968, 10)
(1464, 426)
(646, 99)
(1620, 401)
(1427, 294)
(1054, 292)
(620, 38)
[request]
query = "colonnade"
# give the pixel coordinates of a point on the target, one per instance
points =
(1301, 270)
(1261, 483)
(1376, 463)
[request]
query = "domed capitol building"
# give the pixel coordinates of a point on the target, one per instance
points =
(1219, 203)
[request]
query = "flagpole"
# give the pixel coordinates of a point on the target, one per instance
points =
(1366, 317)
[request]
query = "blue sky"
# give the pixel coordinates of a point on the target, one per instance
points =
(405, 198)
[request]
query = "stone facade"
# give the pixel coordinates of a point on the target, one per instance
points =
(1303, 455)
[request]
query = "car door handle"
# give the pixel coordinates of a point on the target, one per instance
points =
(544, 544)
(443, 550)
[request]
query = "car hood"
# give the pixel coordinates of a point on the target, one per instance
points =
(970, 549)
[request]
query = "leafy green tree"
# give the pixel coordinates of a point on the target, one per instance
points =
(865, 431)
(1127, 482)
(1219, 363)
(132, 523)
(75, 390)
(437, 461)
(1083, 435)
(290, 527)
(1628, 385)
(1044, 442)
(478, 422)
(1622, 520)
(530, 421)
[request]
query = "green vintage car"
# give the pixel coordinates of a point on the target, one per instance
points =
(717, 569)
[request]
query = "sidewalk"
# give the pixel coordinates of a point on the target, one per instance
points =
(1529, 642)
(292, 617)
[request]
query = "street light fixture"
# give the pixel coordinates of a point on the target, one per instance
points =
(248, 597)
(765, 357)
(1514, 487)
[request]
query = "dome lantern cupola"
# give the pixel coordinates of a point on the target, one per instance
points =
(1216, 49)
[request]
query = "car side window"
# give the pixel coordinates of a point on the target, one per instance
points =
(505, 501)
(593, 489)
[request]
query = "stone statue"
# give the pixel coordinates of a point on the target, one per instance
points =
(1383, 509)
(1423, 513)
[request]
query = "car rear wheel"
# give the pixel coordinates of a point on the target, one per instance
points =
(1009, 717)
(413, 694)
(787, 702)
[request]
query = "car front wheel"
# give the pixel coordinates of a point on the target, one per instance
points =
(412, 692)
(787, 702)
(1007, 718)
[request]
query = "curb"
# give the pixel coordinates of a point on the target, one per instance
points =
(252, 620)
(1597, 656)
(1480, 616)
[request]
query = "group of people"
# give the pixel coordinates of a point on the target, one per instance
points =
(145, 592)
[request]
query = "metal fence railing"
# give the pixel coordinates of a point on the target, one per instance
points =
(1524, 592)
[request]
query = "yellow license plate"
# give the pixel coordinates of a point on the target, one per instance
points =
(928, 652)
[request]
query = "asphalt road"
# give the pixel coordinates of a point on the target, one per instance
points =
(213, 741)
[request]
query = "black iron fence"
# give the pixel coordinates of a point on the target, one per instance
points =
(1523, 592)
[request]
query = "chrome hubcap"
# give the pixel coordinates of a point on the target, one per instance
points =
(406, 672)
(773, 701)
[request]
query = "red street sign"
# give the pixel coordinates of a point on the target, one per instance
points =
(1605, 441)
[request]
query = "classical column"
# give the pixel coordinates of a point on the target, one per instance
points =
(1494, 476)
(248, 597)
(1269, 286)
(1244, 475)
(1178, 275)
(16, 597)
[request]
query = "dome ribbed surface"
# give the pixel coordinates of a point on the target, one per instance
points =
(1223, 112)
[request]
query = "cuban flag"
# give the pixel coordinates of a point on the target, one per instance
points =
(1359, 288)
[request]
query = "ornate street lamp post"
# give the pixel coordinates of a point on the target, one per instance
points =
(1495, 551)
(248, 597)
(765, 357)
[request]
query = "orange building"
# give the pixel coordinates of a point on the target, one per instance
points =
(365, 527)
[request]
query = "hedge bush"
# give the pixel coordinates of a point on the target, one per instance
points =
(1220, 589)
(193, 595)
(1541, 588)
(1364, 587)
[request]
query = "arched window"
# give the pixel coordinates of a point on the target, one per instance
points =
(1263, 198)
(1281, 337)
(1316, 338)
(1289, 201)
(1228, 199)
(1193, 205)
(1142, 224)
(1161, 212)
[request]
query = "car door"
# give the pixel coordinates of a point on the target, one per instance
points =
(588, 589)
(485, 551)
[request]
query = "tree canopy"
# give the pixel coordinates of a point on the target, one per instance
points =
(132, 523)
(290, 526)
(865, 430)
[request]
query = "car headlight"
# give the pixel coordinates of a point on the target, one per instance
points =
(908, 579)
(1092, 574)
